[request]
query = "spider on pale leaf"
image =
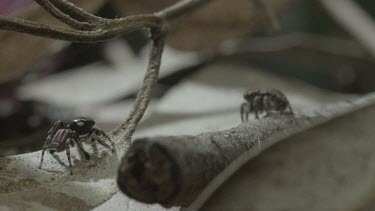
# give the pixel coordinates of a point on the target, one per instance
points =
(61, 137)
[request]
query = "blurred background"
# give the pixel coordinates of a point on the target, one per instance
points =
(44, 80)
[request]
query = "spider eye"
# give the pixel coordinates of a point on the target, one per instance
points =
(80, 124)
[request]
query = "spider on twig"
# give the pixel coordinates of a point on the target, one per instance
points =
(61, 137)
(264, 101)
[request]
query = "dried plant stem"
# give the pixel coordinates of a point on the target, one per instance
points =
(75, 12)
(90, 28)
(103, 32)
(144, 95)
(53, 10)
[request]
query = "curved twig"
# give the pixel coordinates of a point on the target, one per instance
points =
(144, 94)
(104, 32)
(50, 8)
(75, 12)
(90, 28)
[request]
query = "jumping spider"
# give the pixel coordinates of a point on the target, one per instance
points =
(61, 137)
(259, 101)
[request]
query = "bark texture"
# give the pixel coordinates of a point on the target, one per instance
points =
(173, 170)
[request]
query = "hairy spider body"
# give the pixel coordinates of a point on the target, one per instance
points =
(264, 101)
(61, 137)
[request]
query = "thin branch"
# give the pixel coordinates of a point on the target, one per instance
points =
(50, 8)
(76, 12)
(144, 94)
(106, 32)
(33, 28)
(106, 28)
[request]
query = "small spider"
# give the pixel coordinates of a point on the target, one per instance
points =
(259, 101)
(61, 137)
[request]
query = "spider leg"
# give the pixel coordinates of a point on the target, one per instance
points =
(67, 148)
(290, 109)
(55, 127)
(80, 146)
(103, 144)
(288, 105)
(256, 111)
(102, 133)
(43, 150)
(243, 111)
(267, 104)
(257, 105)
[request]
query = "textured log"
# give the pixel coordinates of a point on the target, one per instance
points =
(173, 170)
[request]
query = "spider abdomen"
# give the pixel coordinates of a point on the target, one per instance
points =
(59, 140)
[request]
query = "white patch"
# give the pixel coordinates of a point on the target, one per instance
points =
(80, 124)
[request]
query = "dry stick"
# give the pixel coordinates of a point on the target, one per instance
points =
(105, 32)
(107, 29)
(354, 19)
(50, 8)
(144, 95)
(76, 12)
(186, 170)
